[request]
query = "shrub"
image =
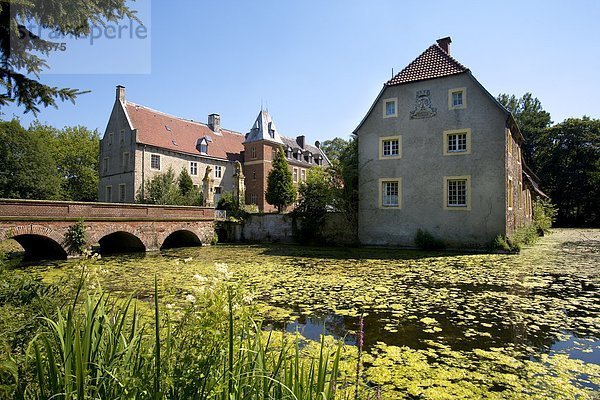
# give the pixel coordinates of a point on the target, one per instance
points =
(426, 241)
(544, 214)
(76, 238)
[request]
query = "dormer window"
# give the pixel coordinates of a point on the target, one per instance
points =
(202, 144)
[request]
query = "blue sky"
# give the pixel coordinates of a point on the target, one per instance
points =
(318, 65)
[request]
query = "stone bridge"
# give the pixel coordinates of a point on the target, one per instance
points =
(39, 226)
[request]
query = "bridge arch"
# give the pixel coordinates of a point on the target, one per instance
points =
(37, 241)
(120, 238)
(181, 238)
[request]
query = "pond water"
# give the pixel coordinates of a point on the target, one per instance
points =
(436, 325)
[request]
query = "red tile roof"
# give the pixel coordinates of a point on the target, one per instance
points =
(432, 63)
(155, 128)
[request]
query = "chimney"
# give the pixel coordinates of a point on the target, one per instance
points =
(300, 140)
(120, 93)
(214, 122)
(444, 43)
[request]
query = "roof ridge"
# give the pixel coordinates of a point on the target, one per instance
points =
(414, 71)
(128, 102)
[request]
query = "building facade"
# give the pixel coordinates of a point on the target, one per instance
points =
(261, 146)
(438, 152)
(140, 143)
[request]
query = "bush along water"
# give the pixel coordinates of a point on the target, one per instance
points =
(544, 213)
(99, 347)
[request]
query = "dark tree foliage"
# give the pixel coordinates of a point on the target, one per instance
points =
(344, 172)
(21, 61)
(185, 183)
(281, 191)
(27, 167)
(569, 167)
(532, 120)
(316, 196)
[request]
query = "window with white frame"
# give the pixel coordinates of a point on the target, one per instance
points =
(457, 98)
(122, 192)
(390, 147)
(218, 171)
(154, 161)
(193, 168)
(108, 194)
(390, 108)
(457, 141)
(303, 175)
(457, 192)
(295, 174)
(389, 193)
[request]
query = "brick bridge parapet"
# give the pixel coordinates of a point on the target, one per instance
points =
(151, 224)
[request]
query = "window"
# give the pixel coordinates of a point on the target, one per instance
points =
(125, 160)
(218, 171)
(253, 199)
(108, 194)
(509, 144)
(273, 153)
(390, 147)
(105, 165)
(122, 135)
(520, 195)
(457, 98)
(457, 142)
(122, 192)
(303, 175)
(389, 193)
(295, 174)
(154, 161)
(457, 194)
(204, 148)
(110, 138)
(193, 168)
(253, 175)
(510, 195)
(253, 152)
(218, 190)
(390, 108)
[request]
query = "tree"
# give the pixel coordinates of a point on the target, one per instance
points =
(75, 150)
(161, 189)
(569, 167)
(344, 171)
(316, 196)
(185, 183)
(281, 191)
(27, 167)
(334, 148)
(21, 50)
(532, 119)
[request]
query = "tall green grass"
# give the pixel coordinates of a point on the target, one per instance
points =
(98, 348)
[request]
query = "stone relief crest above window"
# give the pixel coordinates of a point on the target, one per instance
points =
(423, 108)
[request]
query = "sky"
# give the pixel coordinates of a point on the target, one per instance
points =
(317, 66)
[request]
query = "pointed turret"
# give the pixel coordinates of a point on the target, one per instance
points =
(263, 129)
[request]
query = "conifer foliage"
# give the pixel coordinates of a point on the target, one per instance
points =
(281, 191)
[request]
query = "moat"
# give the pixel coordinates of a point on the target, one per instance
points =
(444, 324)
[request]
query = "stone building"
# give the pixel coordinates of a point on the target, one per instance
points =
(438, 152)
(140, 143)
